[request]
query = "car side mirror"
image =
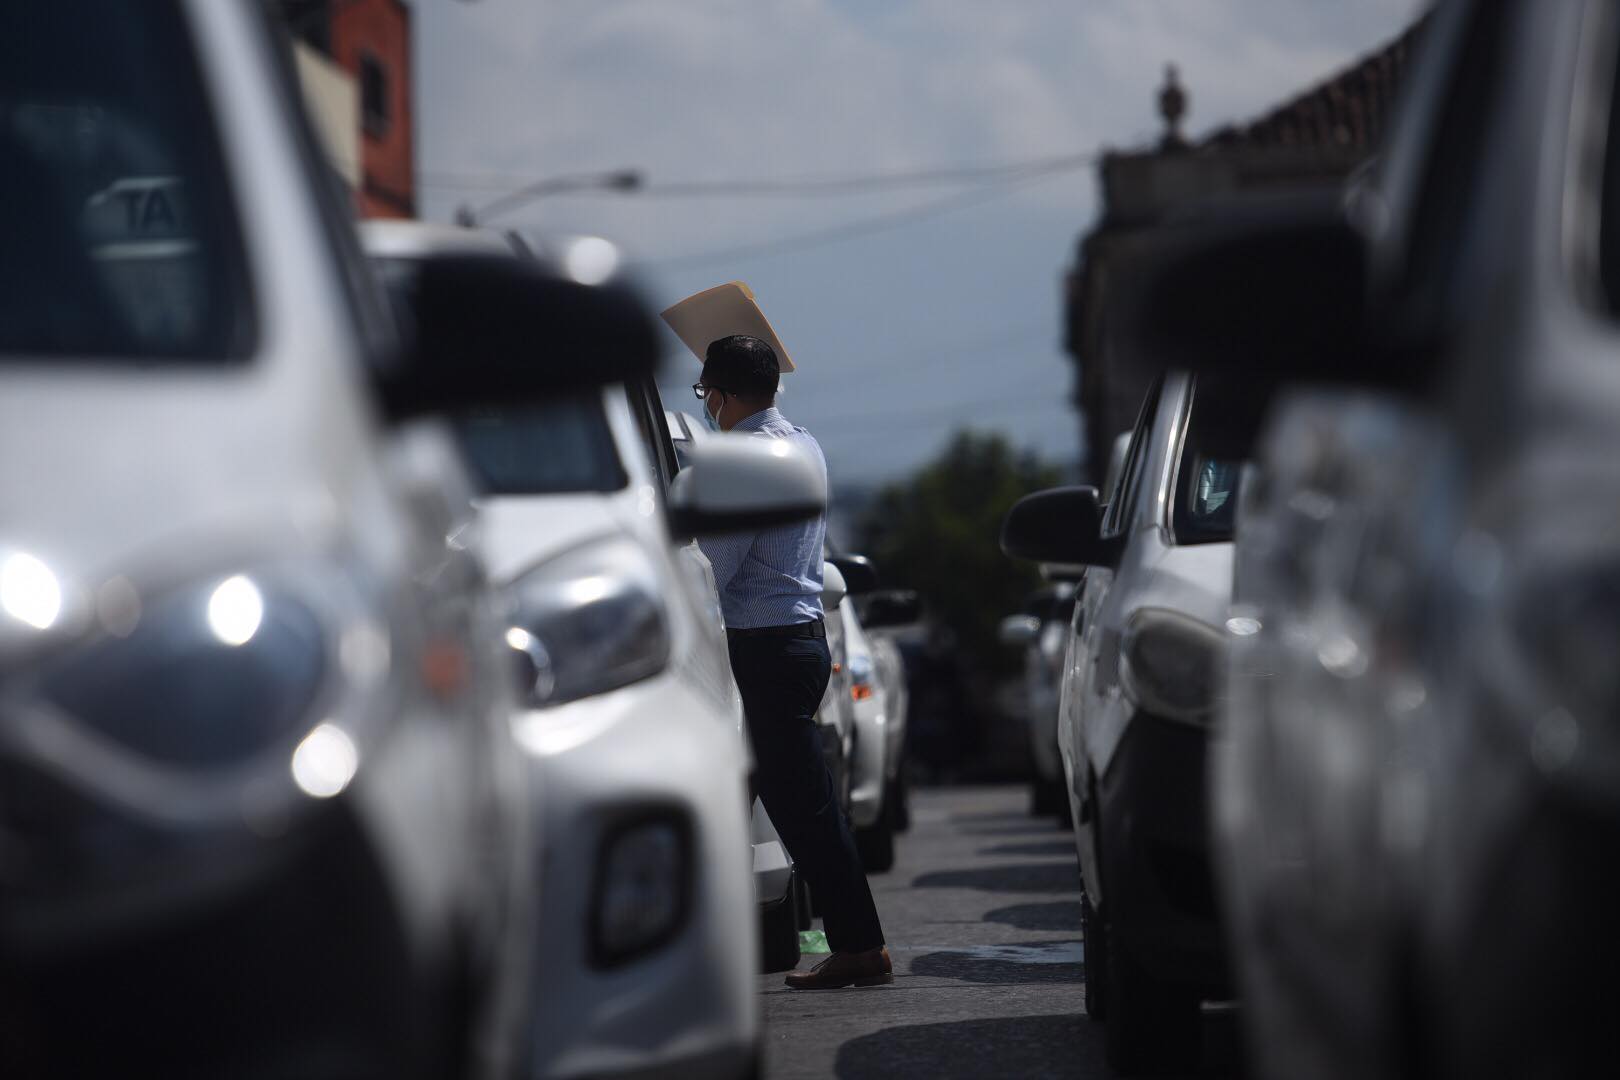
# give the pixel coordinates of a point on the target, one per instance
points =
(1275, 291)
(891, 607)
(482, 330)
(1059, 525)
(833, 589)
(734, 483)
(860, 576)
(1017, 631)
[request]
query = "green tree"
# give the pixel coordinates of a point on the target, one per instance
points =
(939, 533)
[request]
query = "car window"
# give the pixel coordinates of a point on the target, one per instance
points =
(681, 438)
(1122, 501)
(117, 240)
(1221, 423)
(648, 409)
(557, 447)
(1205, 512)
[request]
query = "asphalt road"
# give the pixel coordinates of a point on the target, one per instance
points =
(982, 914)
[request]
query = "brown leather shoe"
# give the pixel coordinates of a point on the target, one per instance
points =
(870, 968)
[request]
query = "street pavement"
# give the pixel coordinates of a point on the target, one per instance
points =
(982, 914)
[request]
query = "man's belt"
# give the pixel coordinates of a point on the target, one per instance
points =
(815, 628)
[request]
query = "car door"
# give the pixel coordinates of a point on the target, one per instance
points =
(837, 709)
(1103, 616)
(711, 659)
(1083, 690)
(1522, 761)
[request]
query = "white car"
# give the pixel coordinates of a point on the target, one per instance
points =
(1417, 792)
(632, 723)
(878, 699)
(1139, 695)
(885, 615)
(1041, 632)
(258, 808)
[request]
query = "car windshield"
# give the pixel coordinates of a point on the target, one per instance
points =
(1222, 423)
(116, 237)
(558, 447)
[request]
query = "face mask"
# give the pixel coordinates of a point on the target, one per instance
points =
(709, 419)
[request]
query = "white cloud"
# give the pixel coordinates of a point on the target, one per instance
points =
(731, 88)
(727, 89)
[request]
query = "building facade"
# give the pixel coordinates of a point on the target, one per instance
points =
(1317, 139)
(356, 67)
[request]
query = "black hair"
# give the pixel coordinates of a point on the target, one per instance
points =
(741, 365)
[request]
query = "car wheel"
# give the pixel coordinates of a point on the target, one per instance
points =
(1065, 812)
(779, 931)
(846, 778)
(898, 796)
(876, 844)
(1150, 1025)
(807, 918)
(1096, 960)
(1046, 798)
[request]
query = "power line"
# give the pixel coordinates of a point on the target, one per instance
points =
(781, 187)
(891, 421)
(865, 227)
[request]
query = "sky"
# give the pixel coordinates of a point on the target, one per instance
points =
(914, 311)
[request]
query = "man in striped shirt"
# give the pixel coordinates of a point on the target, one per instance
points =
(770, 593)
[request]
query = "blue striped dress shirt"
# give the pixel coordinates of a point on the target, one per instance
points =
(771, 577)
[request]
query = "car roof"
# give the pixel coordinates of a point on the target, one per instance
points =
(415, 239)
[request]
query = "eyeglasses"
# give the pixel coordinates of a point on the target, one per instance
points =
(702, 391)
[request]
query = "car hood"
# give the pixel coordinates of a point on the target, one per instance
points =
(518, 532)
(158, 480)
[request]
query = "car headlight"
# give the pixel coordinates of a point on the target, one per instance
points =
(205, 710)
(1170, 665)
(207, 678)
(586, 622)
(643, 886)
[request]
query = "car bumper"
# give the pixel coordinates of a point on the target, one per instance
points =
(894, 736)
(296, 960)
(773, 867)
(649, 748)
(1043, 745)
(866, 781)
(1159, 889)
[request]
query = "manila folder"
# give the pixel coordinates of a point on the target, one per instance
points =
(712, 314)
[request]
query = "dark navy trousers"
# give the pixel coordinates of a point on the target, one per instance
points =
(782, 680)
